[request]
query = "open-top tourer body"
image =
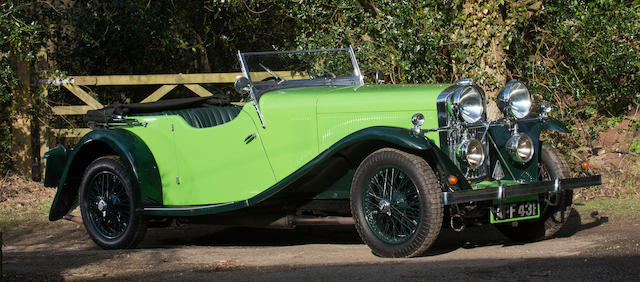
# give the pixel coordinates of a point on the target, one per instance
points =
(314, 145)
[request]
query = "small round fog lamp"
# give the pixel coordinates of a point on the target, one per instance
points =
(471, 153)
(520, 148)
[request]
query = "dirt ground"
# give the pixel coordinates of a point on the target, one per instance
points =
(590, 247)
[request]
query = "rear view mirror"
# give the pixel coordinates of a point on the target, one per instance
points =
(242, 85)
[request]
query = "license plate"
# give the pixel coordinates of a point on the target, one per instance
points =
(515, 211)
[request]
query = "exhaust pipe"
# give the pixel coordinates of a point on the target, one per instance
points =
(327, 220)
(275, 221)
(457, 222)
(73, 218)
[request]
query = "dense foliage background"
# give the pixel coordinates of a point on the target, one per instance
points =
(582, 55)
(19, 37)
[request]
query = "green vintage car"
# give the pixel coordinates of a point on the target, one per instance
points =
(313, 145)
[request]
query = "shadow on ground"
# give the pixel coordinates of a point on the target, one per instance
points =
(448, 240)
(58, 255)
(605, 268)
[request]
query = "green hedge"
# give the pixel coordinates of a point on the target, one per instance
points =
(582, 55)
(19, 36)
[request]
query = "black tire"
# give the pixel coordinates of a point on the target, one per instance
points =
(415, 209)
(552, 218)
(107, 205)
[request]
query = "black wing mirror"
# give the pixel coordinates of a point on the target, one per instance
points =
(242, 85)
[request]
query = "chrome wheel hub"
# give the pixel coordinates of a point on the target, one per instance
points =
(385, 207)
(102, 207)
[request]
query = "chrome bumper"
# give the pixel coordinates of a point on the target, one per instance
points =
(504, 192)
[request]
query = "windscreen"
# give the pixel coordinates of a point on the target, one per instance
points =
(269, 70)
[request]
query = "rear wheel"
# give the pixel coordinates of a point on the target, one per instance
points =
(396, 203)
(555, 209)
(107, 205)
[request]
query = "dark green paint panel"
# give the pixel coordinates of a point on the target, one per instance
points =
(555, 125)
(132, 151)
(56, 160)
(445, 168)
(527, 172)
(339, 190)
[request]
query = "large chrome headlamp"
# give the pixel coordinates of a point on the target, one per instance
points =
(520, 148)
(515, 100)
(471, 153)
(468, 104)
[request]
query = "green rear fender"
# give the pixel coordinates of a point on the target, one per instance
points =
(134, 154)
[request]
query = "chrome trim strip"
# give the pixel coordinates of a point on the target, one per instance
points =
(356, 67)
(254, 98)
(190, 208)
(520, 189)
(295, 51)
(500, 192)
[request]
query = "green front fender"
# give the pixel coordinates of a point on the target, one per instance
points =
(555, 125)
(399, 137)
(134, 154)
(416, 143)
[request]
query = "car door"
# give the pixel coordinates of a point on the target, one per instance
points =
(219, 164)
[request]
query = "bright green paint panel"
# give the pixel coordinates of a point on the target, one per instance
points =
(158, 137)
(201, 166)
(336, 126)
(347, 110)
(381, 98)
(303, 122)
(212, 165)
(215, 165)
(488, 184)
(290, 136)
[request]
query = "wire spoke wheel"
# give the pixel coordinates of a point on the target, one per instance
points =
(108, 204)
(396, 203)
(392, 205)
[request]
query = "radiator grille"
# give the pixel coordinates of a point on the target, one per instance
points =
(454, 138)
(451, 139)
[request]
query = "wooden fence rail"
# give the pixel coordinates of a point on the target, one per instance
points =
(167, 83)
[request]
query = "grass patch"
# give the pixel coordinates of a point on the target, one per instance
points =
(610, 207)
(16, 216)
(24, 204)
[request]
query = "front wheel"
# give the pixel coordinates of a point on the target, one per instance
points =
(555, 209)
(107, 205)
(396, 203)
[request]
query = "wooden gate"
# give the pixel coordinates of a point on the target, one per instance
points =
(166, 82)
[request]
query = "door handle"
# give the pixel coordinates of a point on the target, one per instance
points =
(249, 138)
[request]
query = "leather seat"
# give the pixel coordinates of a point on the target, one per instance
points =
(207, 116)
